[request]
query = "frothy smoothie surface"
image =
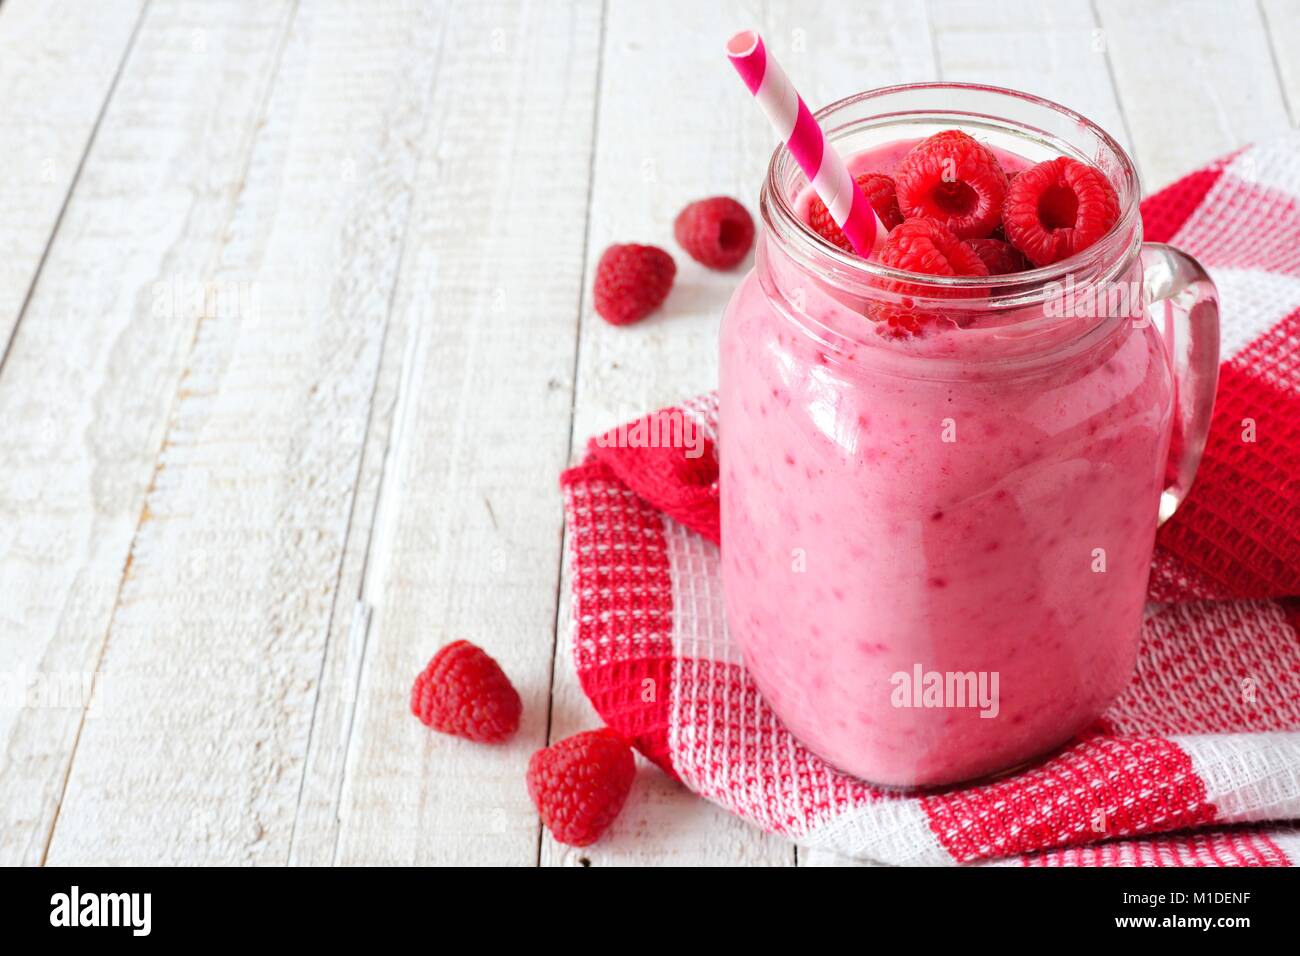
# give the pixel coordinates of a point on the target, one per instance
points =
(888, 523)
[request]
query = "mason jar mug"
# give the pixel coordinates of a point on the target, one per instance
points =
(936, 543)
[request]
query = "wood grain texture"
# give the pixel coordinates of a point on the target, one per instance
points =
(316, 823)
(1282, 21)
(467, 542)
(715, 142)
(1195, 80)
(94, 367)
(1056, 50)
(235, 562)
(58, 60)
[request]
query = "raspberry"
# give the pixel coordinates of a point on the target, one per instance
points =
(931, 248)
(580, 784)
(715, 232)
(1058, 208)
(879, 190)
(1000, 258)
(632, 281)
(954, 179)
(464, 692)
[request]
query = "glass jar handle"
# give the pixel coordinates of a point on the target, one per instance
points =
(1183, 304)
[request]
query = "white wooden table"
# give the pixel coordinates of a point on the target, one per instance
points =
(294, 303)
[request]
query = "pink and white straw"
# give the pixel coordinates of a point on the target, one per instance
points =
(794, 123)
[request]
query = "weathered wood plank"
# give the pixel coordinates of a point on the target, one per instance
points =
(58, 60)
(468, 535)
(1282, 21)
(94, 367)
(1055, 50)
(216, 646)
(1195, 80)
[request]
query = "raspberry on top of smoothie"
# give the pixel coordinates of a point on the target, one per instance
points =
(955, 207)
(955, 180)
(1058, 208)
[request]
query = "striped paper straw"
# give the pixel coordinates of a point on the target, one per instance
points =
(794, 123)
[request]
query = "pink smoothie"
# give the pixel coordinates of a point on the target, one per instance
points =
(951, 504)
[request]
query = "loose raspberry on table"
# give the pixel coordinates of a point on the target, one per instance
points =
(716, 232)
(1058, 208)
(465, 692)
(879, 190)
(999, 257)
(580, 784)
(929, 247)
(632, 281)
(954, 179)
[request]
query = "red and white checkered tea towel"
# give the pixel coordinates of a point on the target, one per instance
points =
(1205, 741)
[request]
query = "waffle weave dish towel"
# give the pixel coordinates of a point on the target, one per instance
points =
(1198, 762)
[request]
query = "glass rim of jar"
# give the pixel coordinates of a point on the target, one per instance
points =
(1105, 258)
